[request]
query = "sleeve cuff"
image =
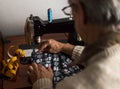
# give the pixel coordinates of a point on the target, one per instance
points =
(43, 83)
(77, 52)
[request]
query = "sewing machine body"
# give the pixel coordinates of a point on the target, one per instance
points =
(36, 28)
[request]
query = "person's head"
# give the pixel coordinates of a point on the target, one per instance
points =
(93, 17)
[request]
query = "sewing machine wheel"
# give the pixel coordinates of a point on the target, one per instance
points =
(29, 31)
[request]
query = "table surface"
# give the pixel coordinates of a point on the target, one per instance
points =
(21, 81)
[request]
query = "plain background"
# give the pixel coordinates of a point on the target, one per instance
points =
(13, 13)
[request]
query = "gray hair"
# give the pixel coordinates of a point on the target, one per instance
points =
(104, 12)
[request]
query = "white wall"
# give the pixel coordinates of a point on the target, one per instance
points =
(14, 12)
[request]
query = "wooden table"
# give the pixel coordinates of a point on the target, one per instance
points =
(21, 81)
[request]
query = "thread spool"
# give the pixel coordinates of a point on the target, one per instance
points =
(50, 15)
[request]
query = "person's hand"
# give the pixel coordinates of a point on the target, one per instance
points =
(37, 71)
(51, 45)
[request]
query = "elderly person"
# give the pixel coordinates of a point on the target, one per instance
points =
(97, 22)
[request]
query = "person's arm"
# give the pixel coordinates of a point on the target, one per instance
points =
(54, 46)
(67, 48)
(43, 83)
(73, 51)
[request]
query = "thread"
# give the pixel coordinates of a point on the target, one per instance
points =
(50, 18)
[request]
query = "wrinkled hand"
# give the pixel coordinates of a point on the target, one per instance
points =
(51, 45)
(37, 71)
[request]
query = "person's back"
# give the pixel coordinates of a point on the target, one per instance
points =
(102, 69)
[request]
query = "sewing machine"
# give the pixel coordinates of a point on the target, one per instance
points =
(35, 28)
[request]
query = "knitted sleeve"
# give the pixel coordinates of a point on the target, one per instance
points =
(43, 83)
(77, 52)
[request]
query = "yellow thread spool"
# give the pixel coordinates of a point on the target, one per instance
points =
(13, 59)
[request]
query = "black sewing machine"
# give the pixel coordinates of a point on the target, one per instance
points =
(35, 28)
